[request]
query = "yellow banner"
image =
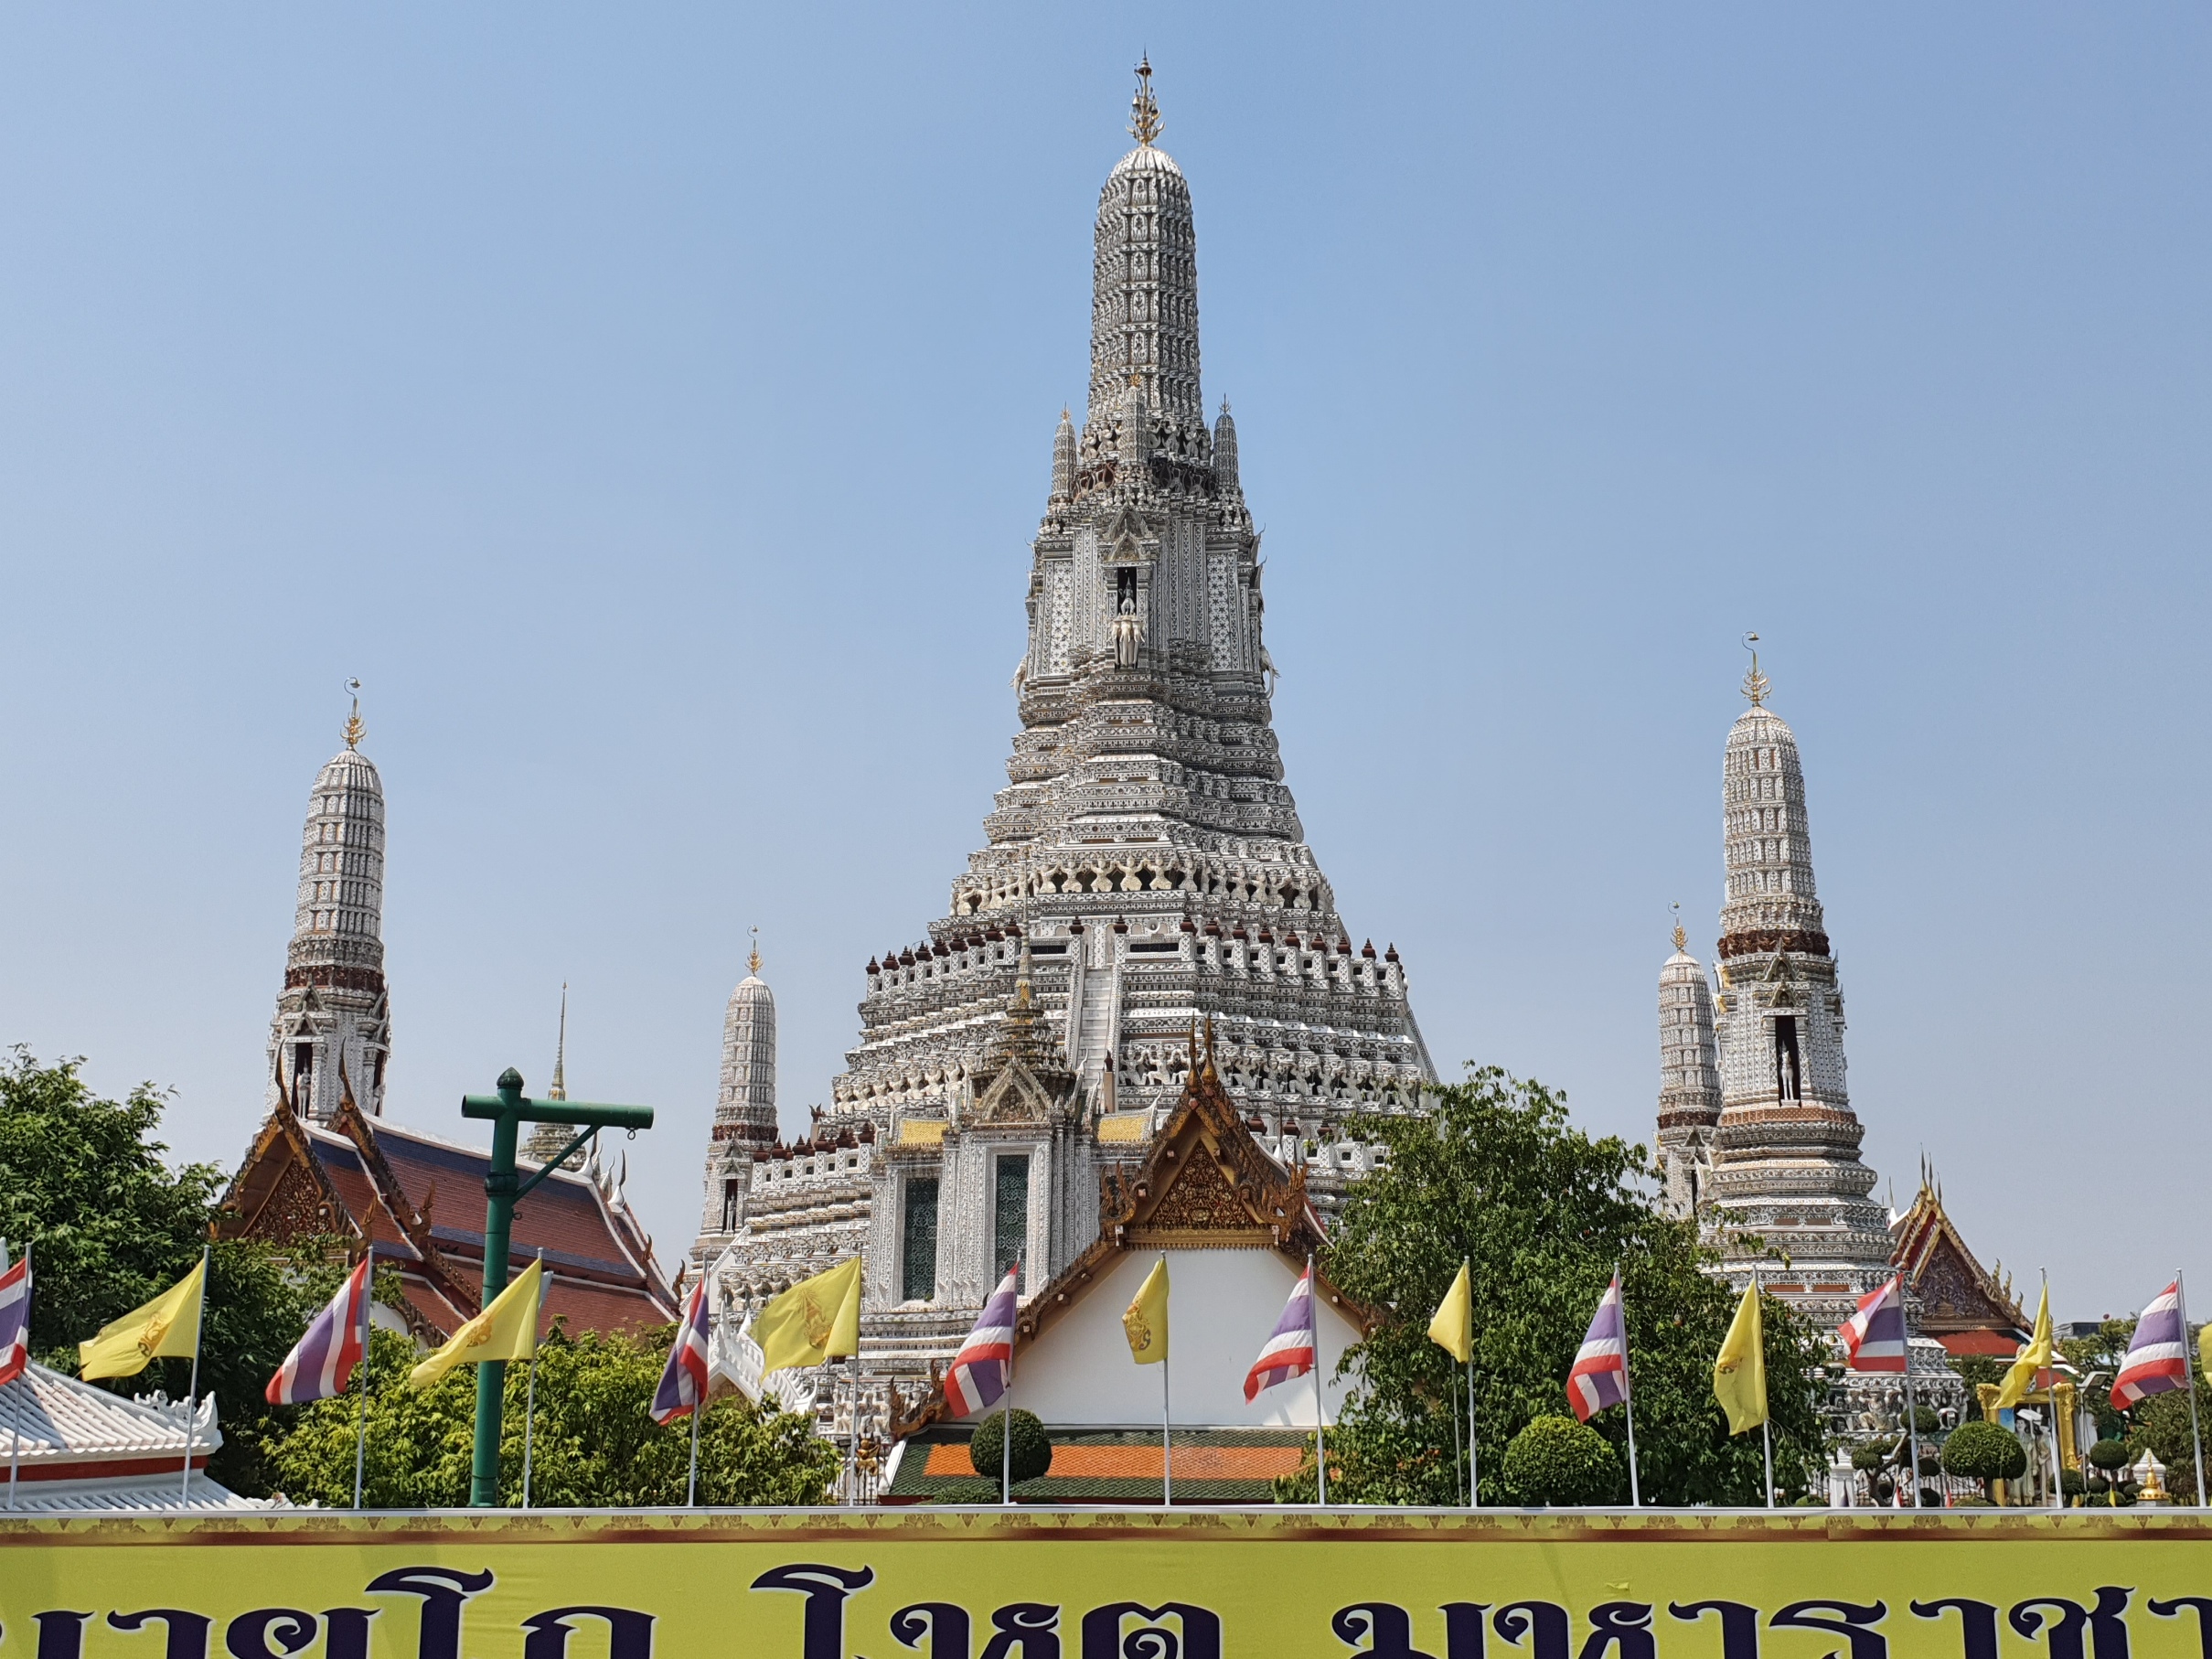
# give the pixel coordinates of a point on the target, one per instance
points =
(887, 1584)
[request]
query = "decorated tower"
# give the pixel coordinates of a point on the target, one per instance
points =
(1689, 1081)
(332, 1033)
(1785, 1173)
(548, 1140)
(1145, 846)
(745, 1111)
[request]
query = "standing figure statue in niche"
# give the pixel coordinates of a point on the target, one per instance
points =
(1128, 628)
(1788, 1073)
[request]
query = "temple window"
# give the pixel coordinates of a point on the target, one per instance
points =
(730, 1193)
(1010, 1211)
(1789, 1065)
(918, 1241)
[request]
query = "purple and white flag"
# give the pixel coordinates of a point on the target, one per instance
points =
(683, 1381)
(1874, 1337)
(1600, 1377)
(2158, 1354)
(14, 1320)
(321, 1364)
(1288, 1351)
(979, 1373)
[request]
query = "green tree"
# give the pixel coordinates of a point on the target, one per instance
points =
(83, 1181)
(1556, 1460)
(1497, 1175)
(1984, 1451)
(593, 1443)
(1033, 1453)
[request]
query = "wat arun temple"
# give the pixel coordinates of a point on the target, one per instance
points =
(1141, 1021)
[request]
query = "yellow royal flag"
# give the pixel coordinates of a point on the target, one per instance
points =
(505, 1330)
(2204, 1352)
(1147, 1319)
(1739, 1374)
(166, 1328)
(817, 1318)
(1453, 1328)
(2034, 1359)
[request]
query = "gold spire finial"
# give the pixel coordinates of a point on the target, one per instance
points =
(1756, 684)
(355, 730)
(1144, 111)
(558, 1088)
(753, 962)
(1681, 939)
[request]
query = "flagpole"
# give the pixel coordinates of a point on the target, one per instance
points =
(1912, 1414)
(2188, 1381)
(199, 1325)
(1474, 1493)
(2051, 1412)
(1006, 1405)
(691, 1482)
(1766, 1434)
(530, 1392)
(15, 1420)
(1628, 1393)
(1166, 1445)
(360, 1433)
(1320, 1407)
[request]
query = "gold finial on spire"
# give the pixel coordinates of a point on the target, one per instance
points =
(355, 730)
(1756, 684)
(558, 1088)
(753, 962)
(1144, 111)
(1681, 939)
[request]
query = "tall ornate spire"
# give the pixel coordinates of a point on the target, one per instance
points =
(332, 1032)
(1786, 1176)
(548, 1138)
(1689, 1078)
(1064, 463)
(1144, 289)
(1224, 451)
(744, 1112)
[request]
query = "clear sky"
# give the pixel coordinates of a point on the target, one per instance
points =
(652, 406)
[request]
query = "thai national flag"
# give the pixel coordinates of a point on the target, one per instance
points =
(1600, 1377)
(319, 1367)
(14, 1320)
(2158, 1354)
(1874, 1337)
(1288, 1351)
(979, 1372)
(683, 1382)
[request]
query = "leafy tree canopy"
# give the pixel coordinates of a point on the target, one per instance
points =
(111, 1226)
(593, 1443)
(1556, 1460)
(1498, 1177)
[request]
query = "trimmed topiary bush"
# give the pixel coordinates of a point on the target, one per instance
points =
(2110, 1455)
(1556, 1460)
(1984, 1452)
(1032, 1448)
(1870, 1457)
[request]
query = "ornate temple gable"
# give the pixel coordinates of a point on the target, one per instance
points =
(1017, 1095)
(281, 1192)
(1956, 1293)
(410, 1223)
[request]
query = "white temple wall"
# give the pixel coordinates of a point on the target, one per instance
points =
(1221, 1305)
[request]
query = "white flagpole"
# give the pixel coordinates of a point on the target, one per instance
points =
(2051, 1410)
(1912, 1412)
(1766, 1437)
(1166, 1445)
(1474, 1492)
(698, 1409)
(1006, 1405)
(15, 1421)
(529, 1393)
(2188, 1381)
(360, 1433)
(1320, 1408)
(1628, 1395)
(199, 1325)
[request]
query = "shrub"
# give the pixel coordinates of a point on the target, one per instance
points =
(2110, 1455)
(1971, 1501)
(968, 1492)
(1032, 1448)
(1984, 1452)
(1926, 1420)
(1870, 1457)
(1556, 1460)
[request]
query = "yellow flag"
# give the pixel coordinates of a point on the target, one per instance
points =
(505, 1330)
(2034, 1359)
(1147, 1320)
(817, 1318)
(1739, 1374)
(1453, 1328)
(2204, 1352)
(166, 1328)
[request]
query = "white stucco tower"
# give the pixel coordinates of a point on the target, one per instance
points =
(332, 1033)
(1786, 1167)
(744, 1109)
(1689, 1081)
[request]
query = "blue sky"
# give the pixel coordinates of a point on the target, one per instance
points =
(653, 409)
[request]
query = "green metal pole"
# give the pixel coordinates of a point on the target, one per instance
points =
(499, 1224)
